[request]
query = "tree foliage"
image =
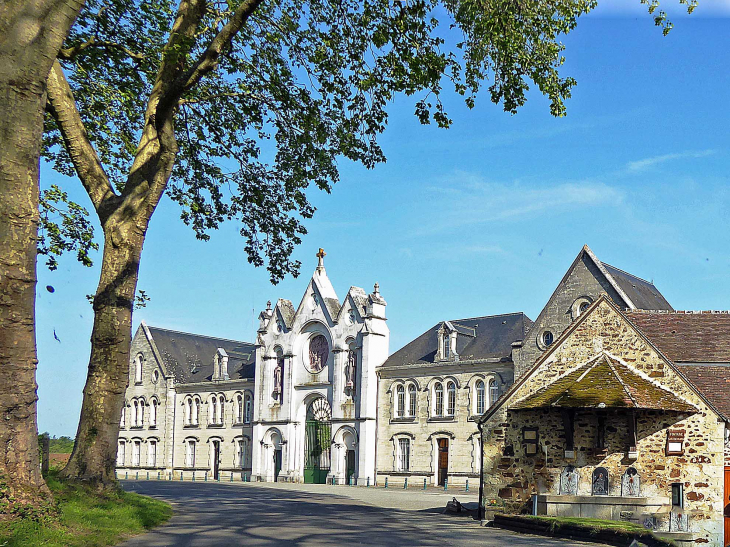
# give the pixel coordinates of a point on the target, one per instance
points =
(302, 84)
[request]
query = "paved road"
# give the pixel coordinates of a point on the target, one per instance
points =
(221, 514)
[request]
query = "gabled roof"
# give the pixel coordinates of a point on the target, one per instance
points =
(714, 383)
(189, 357)
(604, 382)
(287, 311)
(690, 337)
(567, 332)
(643, 294)
(489, 337)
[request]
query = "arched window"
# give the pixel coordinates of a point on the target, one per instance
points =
(247, 410)
(188, 411)
(447, 345)
(190, 453)
(241, 453)
(221, 409)
(239, 408)
(153, 413)
(493, 392)
(152, 453)
(123, 419)
(451, 390)
(121, 453)
(438, 392)
(138, 369)
(480, 397)
(196, 411)
(411, 400)
(136, 450)
(135, 410)
(401, 401)
(213, 410)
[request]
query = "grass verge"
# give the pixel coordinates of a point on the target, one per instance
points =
(595, 524)
(86, 518)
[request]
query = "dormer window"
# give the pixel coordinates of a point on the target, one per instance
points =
(447, 346)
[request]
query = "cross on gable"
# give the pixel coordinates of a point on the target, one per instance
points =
(321, 253)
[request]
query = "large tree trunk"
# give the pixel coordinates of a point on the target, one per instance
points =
(31, 33)
(94, 454)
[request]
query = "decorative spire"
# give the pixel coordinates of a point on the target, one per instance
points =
(268, 305)
(320, 255)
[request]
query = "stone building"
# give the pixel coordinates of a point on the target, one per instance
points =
(189, 405)
(316, 387)
(433, 389)
(624, 416)
(586, 278)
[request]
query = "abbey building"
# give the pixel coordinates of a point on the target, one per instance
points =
(608, 392)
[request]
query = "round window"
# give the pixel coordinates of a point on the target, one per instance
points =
(318, 353)
(584, 306)
(547, 338)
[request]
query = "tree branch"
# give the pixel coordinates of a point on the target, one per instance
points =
(62, 106)
(209, 58)
(70, 53)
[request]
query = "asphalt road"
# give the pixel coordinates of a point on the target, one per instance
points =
(222, 514)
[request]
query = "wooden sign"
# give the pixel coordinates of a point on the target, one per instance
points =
(675, 442)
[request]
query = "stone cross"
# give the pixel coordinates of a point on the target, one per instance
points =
(320, 255)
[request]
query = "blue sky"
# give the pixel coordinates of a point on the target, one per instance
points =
(482, 218)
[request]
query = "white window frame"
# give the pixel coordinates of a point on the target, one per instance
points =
(451, 398)
(136, 453)
(438, 400)
(241, 453)
(153, 413)
(239, 408)
(190, 448)
(400, 396)
(152, 453)
(123, 418)
(493, 391)
(480, 397)
(138, 369)
(412, 400)
(247, 408)
(121, 453)
(403, 454)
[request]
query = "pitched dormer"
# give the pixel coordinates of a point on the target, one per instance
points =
(220, 366)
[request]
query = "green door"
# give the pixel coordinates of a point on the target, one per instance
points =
(318, 435)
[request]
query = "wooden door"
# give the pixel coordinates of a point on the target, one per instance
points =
(277, 464)
(726, 503)
(443, 467)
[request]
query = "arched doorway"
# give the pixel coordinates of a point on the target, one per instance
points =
(318, 433)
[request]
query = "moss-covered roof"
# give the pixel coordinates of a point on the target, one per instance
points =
(604, 382)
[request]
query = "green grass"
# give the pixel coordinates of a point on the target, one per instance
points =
(86, 518)
(596, 524)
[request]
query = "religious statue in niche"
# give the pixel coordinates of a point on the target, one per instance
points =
(350, 372)
(600, 482)
(318, 353)
(569, 481)
(630, 483)
(278, 377)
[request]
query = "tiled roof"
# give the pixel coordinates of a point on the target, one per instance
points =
(492, 338)
(689, 337)
(189, 357)
(713, 381)
(604, 383)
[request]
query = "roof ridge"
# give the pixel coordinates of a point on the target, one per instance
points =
(682, 312)
(628, 273)
(484, 317)
(201, 335)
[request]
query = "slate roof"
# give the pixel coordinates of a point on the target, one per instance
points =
(604, 383)
(689, 337)
(493, 340)
(642, 293)
(189, 357)
(286, 308)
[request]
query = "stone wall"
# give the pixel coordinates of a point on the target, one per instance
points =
(146, 391)
(511, 476)
(424, 430)
(584, 281)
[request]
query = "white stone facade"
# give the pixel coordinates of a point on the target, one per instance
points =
(351, 339)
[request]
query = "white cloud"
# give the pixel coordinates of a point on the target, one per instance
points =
(465, 199)
(641, 165)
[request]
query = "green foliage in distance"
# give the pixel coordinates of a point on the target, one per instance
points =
(304, 83)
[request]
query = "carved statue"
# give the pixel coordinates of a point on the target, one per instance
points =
(351, 370)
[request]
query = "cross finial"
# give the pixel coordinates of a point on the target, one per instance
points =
(268, 306)
(320, 255)
(376, 289)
